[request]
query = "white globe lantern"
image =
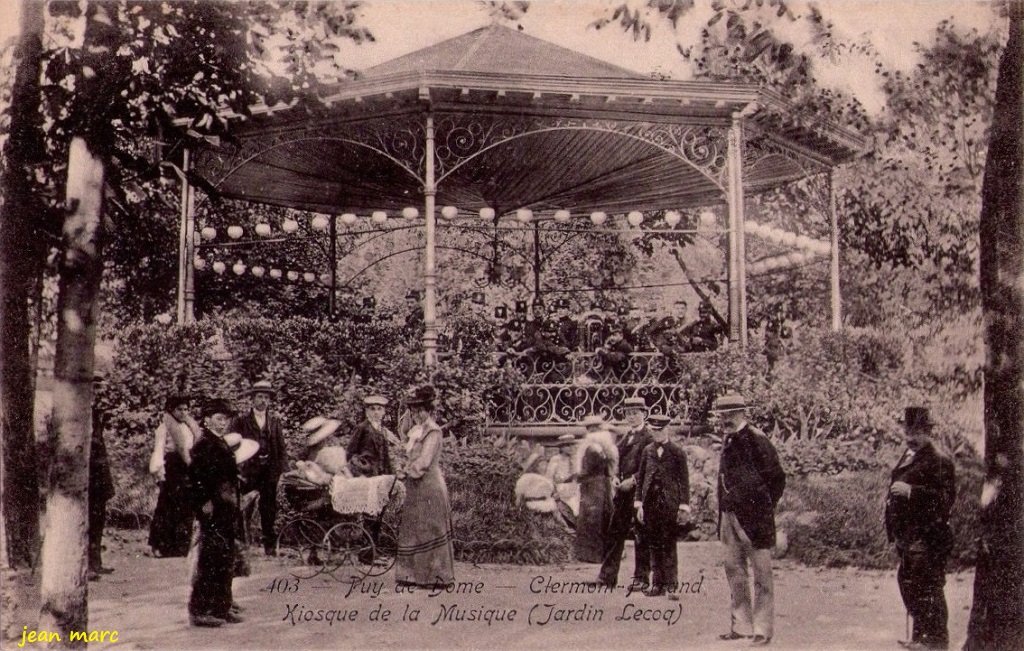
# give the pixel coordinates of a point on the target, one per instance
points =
(562, 216)
(164, 319)
(238, 268)
(789, 239)
(409, 212)
(598, 218)
(219, 267)
(320, 223)
(263, 230)
(751, 226)
(823, 247)
(258, 271)
(290, 225)
(803, 242)
(449, 212)
(309, 276)
(208, 233)
(524, 215)
(348, 219)
(707, 218)
(235, 232)
(378, 217)
(796, 258)
(293, 275)
(325, 280)
(487, 213)
(635, 218)
(755, 268)
(275, 274)
(672, 218)
(774, 235)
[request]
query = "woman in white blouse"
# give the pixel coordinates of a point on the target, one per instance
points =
(171, 528)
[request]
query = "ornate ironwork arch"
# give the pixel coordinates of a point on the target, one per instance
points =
(702, 148)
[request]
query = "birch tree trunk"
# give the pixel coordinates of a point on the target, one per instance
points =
(997, 615)
(65, 514)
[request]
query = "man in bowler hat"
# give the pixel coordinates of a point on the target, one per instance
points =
(214, 479)
(750, 485)
(631, 446)
(262, 472)
(662, 502)
(917, 511)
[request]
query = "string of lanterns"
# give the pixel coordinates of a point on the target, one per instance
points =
(809, 248)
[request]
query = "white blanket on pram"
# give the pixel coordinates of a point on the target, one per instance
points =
(367, 495)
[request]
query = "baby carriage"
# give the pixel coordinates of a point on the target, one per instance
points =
(346, 528)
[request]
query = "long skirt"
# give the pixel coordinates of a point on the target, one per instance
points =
(594, 518)
(425, 555)
(171, 528)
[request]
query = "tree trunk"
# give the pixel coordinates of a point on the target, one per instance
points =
(65, 515)
(997, 616)
(20, 266)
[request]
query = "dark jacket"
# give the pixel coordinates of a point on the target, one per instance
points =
(663, 484)
(367, 451)
(214, 478)
(750, 484)
(273, 455)
(101, 481)
(631, 447)
(924, 515)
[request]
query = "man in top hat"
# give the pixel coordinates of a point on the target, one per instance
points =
(750, 485)
(917, 510)
(262, 472)
(101, 487)
(630, 444)
(214, 479)
(662, 500)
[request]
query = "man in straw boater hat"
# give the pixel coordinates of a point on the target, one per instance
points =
(261, 473)
(630, 445)
(214, 478)
(367, 451)
(917, 511)
(750, 485)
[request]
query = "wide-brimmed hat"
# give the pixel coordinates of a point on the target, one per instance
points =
(658, 421)
(375, 400)
(422, 395)
(263, 386)
(593, 420)
(320, 428)
(729, 402)
(916, 417)
(243, 448)
(217, 406)
(634, 403)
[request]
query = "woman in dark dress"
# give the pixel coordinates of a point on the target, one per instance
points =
(597, 461)
(171, 529)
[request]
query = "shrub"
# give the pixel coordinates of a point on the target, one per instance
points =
(849, 528)
(489, 527)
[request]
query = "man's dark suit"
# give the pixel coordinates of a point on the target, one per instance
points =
(919, 525)
(663, 484)
(631, 446)
(367, 451)
(262, 471)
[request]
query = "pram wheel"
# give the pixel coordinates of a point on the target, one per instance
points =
(349, 552)
(300, 547)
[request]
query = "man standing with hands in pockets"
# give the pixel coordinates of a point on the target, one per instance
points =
(750, 485)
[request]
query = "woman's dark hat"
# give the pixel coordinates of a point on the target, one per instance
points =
(217, 406)
(917, 417)
(174, 401)
(424, 395)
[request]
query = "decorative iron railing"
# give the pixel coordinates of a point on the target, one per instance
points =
(564, 390)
